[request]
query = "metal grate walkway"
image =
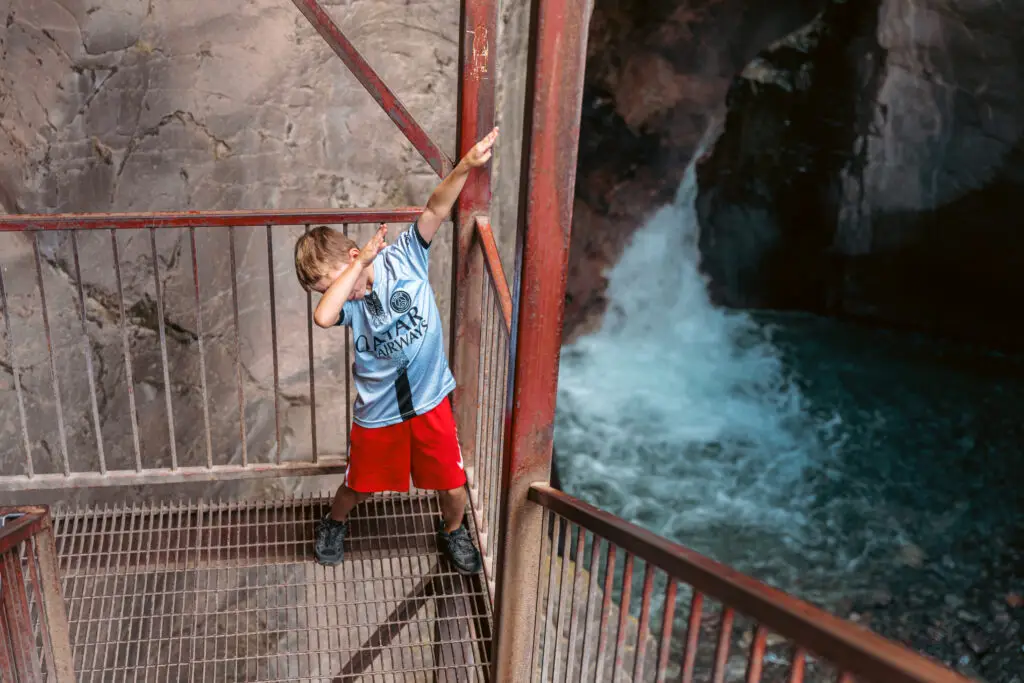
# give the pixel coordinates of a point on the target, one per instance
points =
(215, 592)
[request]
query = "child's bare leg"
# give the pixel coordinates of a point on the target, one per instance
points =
(453, 507)
(344, 500)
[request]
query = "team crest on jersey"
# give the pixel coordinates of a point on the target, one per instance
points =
(401, 301)
(377, 313)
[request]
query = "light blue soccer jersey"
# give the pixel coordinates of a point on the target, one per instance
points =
(400, 368)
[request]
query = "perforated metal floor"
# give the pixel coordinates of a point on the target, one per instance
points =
(215, 592)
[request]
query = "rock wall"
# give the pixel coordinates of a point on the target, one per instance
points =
(868, 168)
(657, 75)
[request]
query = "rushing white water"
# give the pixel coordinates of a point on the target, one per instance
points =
(814, 455)
(679, 415)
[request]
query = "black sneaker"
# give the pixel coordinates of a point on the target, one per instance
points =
(459, 549)
(330, 541)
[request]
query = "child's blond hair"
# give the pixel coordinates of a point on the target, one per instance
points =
(319, 251)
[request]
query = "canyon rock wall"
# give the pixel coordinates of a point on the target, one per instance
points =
(657, 77)
(869, 167)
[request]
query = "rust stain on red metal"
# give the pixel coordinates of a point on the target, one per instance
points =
(480, 51)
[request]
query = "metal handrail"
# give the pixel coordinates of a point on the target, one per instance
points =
(494, 269)
(187, 219)
(192, 223)
(35, 640)
(843, 643)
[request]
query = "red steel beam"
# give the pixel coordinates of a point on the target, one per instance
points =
(840, 642)
(477, 31)
(558, 48)
(33, 520)
(185, 219)
(495, 270)
(364, 73)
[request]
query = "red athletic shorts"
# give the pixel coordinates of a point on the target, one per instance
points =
(425, 446)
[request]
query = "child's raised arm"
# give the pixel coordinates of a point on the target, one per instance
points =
(443, 198)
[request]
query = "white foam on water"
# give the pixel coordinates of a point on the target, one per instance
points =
(679, 415)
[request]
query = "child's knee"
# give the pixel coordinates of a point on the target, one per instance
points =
(358, 496)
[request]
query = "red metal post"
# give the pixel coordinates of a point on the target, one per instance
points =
(477, 30)
(558, 48)
(495, 270)
(362, 70)
(54, 611)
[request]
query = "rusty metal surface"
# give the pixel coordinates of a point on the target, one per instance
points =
(185, 219)
(476, 115)
(211, 591)
(554, 94)
(14, 600)
(855, 650)
(495, 271)
(34, 643)
(16, 530)
(364, 73)
(487, 418)
(53, 613)
(332, 463)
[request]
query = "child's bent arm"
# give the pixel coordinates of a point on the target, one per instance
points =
(443, 198)
(334, 298)
(328, 311)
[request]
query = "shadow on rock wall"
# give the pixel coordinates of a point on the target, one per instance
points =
(869, 167)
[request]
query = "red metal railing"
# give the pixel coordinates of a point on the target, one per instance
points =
(588, 626)
(50, 248)
(34, 641)
(491, 394)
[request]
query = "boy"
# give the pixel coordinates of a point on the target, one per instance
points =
(403, 415)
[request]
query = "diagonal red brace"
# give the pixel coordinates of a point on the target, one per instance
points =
(361, 69)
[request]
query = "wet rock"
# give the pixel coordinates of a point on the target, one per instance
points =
(880, 598)
(912, 555)
(657, 76)
(869, 167)
(977, 641)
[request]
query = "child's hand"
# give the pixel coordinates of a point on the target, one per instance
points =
(480, 153)
(373, 247)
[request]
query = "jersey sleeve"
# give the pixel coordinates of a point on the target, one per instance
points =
(345, 317)
(409, 255)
